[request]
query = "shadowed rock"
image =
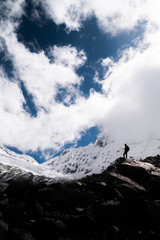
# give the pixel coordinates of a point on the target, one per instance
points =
(122, 203)
(134, 171)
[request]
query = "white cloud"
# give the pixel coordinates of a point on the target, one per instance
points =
(107, 62)
(70, 12)
(68, 56)
(41, 77)
(133, 88)
(112, 16)
(11, 99)
(129, 104)
(12, 10)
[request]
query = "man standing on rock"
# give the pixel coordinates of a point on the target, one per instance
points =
(126, 149)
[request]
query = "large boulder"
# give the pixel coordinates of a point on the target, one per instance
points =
(119, 180)
(153, 160)
(135, 171)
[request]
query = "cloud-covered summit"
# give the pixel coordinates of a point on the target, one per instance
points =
(42, 105)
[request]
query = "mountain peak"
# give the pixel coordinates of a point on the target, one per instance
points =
(76, 163)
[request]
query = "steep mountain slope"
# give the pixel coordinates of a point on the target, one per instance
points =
(13, 164)
(96, 157)
(76, 163)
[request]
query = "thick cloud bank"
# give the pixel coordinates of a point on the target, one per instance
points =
(127, 107)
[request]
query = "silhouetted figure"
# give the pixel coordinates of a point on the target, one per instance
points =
(126, 149)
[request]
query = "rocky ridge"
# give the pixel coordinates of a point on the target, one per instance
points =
(76, 163)
(121, 203)
(96, 157)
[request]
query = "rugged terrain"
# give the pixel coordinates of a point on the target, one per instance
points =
(76, 163)
(123, 202)
(96, 157)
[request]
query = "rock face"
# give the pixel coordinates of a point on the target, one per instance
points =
(122, 203)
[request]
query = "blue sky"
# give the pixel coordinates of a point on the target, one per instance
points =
(65, 72)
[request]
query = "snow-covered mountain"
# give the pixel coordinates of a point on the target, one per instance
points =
(13, 164)
(96, 157)
(76, 163)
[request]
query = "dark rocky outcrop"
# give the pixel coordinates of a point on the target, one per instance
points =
(122, 203)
